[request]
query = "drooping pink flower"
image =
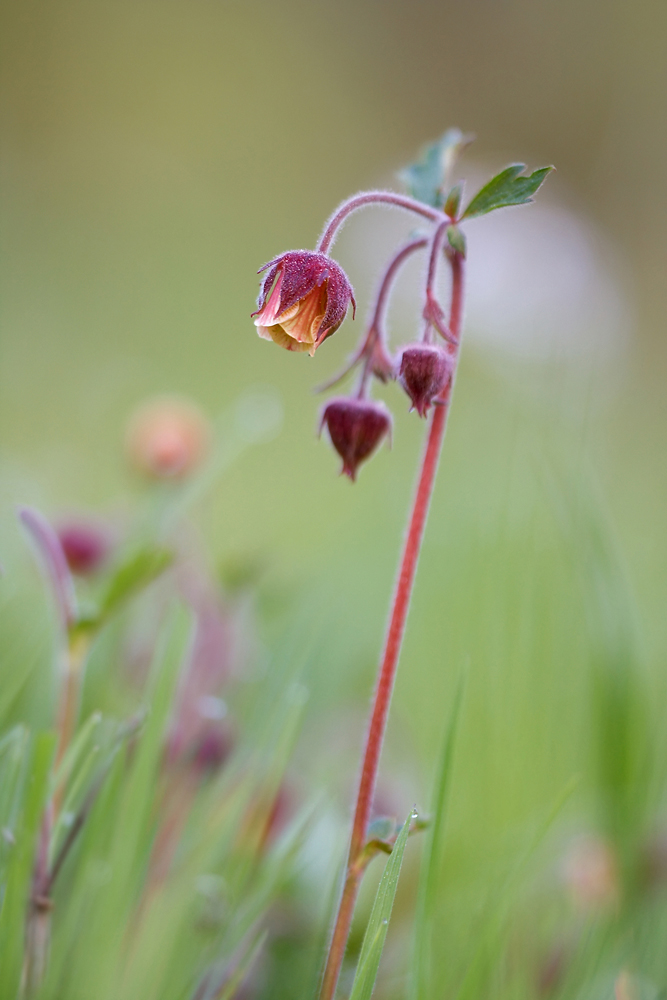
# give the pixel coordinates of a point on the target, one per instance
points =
(356, 428)
(424, 371)
(303, 300)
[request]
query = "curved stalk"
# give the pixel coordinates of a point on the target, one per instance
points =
(433, 313)
(358, 201)
(376, 326)
(392, 648)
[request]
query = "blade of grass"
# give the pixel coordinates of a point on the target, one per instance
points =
(19, 870)
(376, 931)
(420, 980)
(490, 932)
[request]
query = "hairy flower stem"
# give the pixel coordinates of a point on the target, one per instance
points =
(374, 339)
(392, 648)
(373, 198)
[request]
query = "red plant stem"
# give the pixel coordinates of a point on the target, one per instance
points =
(436, 246)
(373, 198)
(432, 312)
(392, 648)
(375, 331)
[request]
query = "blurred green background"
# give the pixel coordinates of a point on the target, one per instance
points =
(154, 155)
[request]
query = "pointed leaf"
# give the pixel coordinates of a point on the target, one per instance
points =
(376, 931)
(427, 179)
(133, 574)
(505, 189)
(453, 201)
(428, 877)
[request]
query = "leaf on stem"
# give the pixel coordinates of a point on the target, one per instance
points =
(427, 180)
(456, 239)
(505, 189)
(133, 574)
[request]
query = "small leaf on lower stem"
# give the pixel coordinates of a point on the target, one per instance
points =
(382, 828)
(456, 239)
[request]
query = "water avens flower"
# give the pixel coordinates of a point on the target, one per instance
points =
(424, 370)
(356, 428)
(167, 438)
(304, 299)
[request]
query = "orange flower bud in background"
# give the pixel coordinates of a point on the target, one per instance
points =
(304, 299)
(167, 438)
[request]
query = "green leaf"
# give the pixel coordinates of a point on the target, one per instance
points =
(382, 828)
(505, 189)
(19, 870)
(376, 931)
(428, 877)
(133, 574)
(427, 180)
(456, 239)
(453, 201)
(236, 979)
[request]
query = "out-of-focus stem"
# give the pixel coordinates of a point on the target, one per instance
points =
(373, 198)
(374, 339)
(38, 926)
(78, 644)
(38, 923)
(387, 672)
(433, 314)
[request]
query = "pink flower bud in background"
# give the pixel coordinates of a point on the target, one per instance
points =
(167, 438)
(304, 299)
(84, 544)
(356, 428)
(424, 370)
(590, 872)
(213, 747)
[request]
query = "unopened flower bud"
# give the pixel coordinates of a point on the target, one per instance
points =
(424, 371)
(356, 427)
(213, 748)
(303, 300)
(85, 546)
(167, 438)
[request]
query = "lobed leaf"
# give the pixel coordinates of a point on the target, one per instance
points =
(426, 181)
(505, 189)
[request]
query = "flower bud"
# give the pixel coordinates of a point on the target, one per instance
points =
(424, 370)
(213, 748)
(304, 299)
(356, 427)
(85, 546)
(167, 438)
